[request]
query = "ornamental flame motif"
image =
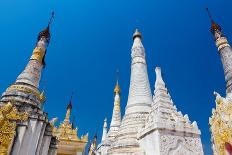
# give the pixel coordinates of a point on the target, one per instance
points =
(221, 125)
(8, 117)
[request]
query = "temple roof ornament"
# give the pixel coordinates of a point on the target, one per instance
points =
(220, 125)
(8, 117)
(68, 136)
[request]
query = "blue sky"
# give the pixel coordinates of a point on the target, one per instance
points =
(91, 39)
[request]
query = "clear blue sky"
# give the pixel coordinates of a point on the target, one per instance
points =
(91, 39)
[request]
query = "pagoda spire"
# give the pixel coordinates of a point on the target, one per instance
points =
(116, 115)
(224, 50)
(138, 103)
(27, 83)
(139, 99)
(104, 131)
(32, 73)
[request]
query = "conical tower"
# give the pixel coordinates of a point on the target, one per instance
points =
(138, 104)
(116, 116)
(25, 95)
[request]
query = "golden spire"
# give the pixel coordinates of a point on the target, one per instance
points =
(117, 87)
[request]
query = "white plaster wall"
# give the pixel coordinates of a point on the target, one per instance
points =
(45, 145)
(171, 143)
(176, 143)
(27, 139)
(150, 143)
(35, 137)
(19, 140)
(42, 136)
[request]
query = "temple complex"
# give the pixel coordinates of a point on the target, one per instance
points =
(151, 123)
(69, 142)
(220, 121)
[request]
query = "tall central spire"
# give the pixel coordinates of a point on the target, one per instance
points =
(139, 99)
(225, 52)
(138, 104)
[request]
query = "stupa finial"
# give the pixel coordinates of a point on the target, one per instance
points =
(209, 14)
(137, 34)
(46, 33)
(117, 87)
(214, 26)
(70, 102)
(52, 16)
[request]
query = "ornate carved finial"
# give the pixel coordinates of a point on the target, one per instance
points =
(42, 97)
(53, 121)
(8, 117)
